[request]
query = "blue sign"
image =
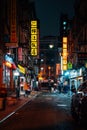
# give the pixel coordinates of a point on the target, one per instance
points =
(8, 58)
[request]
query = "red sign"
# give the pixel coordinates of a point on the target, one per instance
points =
(20, 58)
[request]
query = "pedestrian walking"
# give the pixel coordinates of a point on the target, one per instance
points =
(66, 87)
(17, 87)
(73, 89)
(26, 88)
(60, 86)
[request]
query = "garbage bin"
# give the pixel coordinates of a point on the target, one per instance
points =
(3, 95)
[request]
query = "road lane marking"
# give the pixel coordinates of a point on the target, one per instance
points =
(61, 105)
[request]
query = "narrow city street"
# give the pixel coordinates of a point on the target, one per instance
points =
(48, 111)
(43, 56)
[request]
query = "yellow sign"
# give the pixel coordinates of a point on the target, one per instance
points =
(64, 59)
(34, 38)
(33, 52)
(33, 30)
(64, 39)
(64, 67)
(33, 44)
(65, 51)
(64, 54)
(64, 45)
(21, 69)
(34, 23)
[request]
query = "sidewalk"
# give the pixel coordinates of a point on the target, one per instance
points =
(11, 108)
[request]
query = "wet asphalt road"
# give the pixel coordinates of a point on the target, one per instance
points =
(48, 111)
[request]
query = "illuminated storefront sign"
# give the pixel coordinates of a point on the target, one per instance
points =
(20, 57)
(21, 69)
(34, 38)
(69, 65)
(58, 69)
(9, 62)
(64, 59)
(8, 59)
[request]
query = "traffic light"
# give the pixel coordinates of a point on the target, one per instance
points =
(64, 27)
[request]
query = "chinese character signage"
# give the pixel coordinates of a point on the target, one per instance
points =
(34, 38)
(64, 59)
(13, 38)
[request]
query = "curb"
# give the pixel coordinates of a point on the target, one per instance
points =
(19, 107)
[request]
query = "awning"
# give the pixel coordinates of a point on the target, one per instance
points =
(10, 65)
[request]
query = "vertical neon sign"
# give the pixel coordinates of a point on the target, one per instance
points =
(13, 38)
(34, 38)
(64, 59)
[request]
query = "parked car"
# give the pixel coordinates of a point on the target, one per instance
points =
(44, 85)
(79, 103)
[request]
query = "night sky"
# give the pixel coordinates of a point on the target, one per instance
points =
(48, 11)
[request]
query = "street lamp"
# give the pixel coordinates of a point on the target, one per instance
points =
(51, 46)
